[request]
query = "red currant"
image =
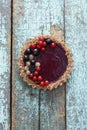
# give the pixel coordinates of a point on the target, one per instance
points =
(38, 47)
(39, 78)
(41, 38)
(34, 78)
(40, 43)
(36, 73)
(43, 49)
(44, 44)
(38, 68)
(31, 75)
(53, 45)
(46, 82)
(33, 46)
(42, 84)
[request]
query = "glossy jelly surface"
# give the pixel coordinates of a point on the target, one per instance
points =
(53, 63)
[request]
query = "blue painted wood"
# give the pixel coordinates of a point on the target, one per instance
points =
(76, 37)
(52, 104)
(44, 110)
(25, 99)
(34, 109)
(4, 64)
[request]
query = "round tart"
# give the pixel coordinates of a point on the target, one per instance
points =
(44, 62)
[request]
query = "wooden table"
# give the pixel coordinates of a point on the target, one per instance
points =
(24, 108)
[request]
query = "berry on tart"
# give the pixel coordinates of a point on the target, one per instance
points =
(40, 78)
(25, 57)
(41, 38)
(44, 44)
(38, 68)
(31, 57)
(34, 78)
(36, 73)
(48, 41)
(47, 63)
(36, 52)
(40, 43)
(30, 75)
(42, 84)
(28, 51)
(38, 47)
(46, 82)
(43, 49)
(53, 45)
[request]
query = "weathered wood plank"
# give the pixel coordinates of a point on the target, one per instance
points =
(26, 99)
(34, 109)
(52, 104)
(52, 111)
(5, 64)
(76, 37)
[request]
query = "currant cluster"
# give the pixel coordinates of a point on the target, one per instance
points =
(32, 67)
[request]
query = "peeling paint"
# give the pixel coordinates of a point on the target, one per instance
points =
(76, 90)
(39, 17)
(4, 65)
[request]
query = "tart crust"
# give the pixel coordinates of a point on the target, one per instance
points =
(61, 80)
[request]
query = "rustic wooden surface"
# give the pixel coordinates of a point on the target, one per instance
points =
(4, 64)
(76, 37)
(33, 109)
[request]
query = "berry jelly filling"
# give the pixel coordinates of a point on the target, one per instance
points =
(53, 63)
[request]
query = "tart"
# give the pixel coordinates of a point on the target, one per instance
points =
(44, 62)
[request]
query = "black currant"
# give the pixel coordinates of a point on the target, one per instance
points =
(25, 58)
(32, 68)
(35, 52)
(32, 62)
(28, 51)
(48, 41)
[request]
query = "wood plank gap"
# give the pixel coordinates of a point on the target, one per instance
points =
(39, 105)
(64, 41)
(11, 60)
(5, 41)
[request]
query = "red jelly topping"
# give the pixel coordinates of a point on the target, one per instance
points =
(53, 63)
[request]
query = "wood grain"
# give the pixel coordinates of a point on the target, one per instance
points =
(5, 64)
(26, 99)
(76, 37)
(39, 110)
(34, 109)
(52, 104)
